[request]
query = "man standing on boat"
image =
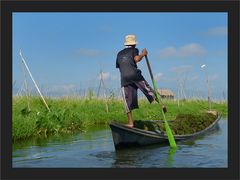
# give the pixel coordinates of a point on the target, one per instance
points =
(131, 77)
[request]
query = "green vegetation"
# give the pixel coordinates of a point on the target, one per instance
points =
(73, 114)
(183, 124)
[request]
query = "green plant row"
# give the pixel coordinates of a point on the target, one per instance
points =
(73, 114)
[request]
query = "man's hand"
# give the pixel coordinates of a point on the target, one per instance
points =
(164, 109)
(144, 52)
(139, 58)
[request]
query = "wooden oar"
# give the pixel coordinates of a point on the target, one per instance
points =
(168, 130)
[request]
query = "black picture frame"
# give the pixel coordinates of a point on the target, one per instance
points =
(230, 7)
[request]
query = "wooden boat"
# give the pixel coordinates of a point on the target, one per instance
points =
(124, 136)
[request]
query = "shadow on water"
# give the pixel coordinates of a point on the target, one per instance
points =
(44, 141)
(141, 156)
(41, 141)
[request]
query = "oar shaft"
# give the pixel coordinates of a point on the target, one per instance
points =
(149, 67)
(167, 127)
(153, 81)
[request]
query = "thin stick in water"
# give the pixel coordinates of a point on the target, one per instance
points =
(24, 62)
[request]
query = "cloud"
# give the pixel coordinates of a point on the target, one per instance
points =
(89, 52)
(57, 89)
(115, 77)
(108, 76)
(104, 75)
(163, 78)
(158, 77)
(188, 50)
(181, 69)
(168, 52)
(217, 31)
(64, 87)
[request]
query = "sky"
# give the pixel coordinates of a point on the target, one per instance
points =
(67, 51)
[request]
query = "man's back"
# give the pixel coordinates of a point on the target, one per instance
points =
(127, 66)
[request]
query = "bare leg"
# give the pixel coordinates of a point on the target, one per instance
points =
(130, 119)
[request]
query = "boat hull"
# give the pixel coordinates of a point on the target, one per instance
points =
(124, 136)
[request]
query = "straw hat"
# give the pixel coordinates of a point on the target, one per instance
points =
(130, 40)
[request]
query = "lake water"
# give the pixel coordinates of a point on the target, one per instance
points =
(95, 148)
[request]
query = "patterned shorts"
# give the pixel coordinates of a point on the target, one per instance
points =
(130, 97)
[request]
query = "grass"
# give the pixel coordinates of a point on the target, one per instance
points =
(183, 124)
(73, 114)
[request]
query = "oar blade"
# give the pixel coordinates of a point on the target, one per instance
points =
(169, 132)
(170, 135)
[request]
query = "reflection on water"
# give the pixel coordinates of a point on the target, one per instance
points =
(171, 153)
(95, 149)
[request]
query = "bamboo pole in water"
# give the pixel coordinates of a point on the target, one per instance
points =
(25, 64)
(102, 85)
(26, 87)
(104, 91)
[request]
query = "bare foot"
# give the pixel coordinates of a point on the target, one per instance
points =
(129, 125)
